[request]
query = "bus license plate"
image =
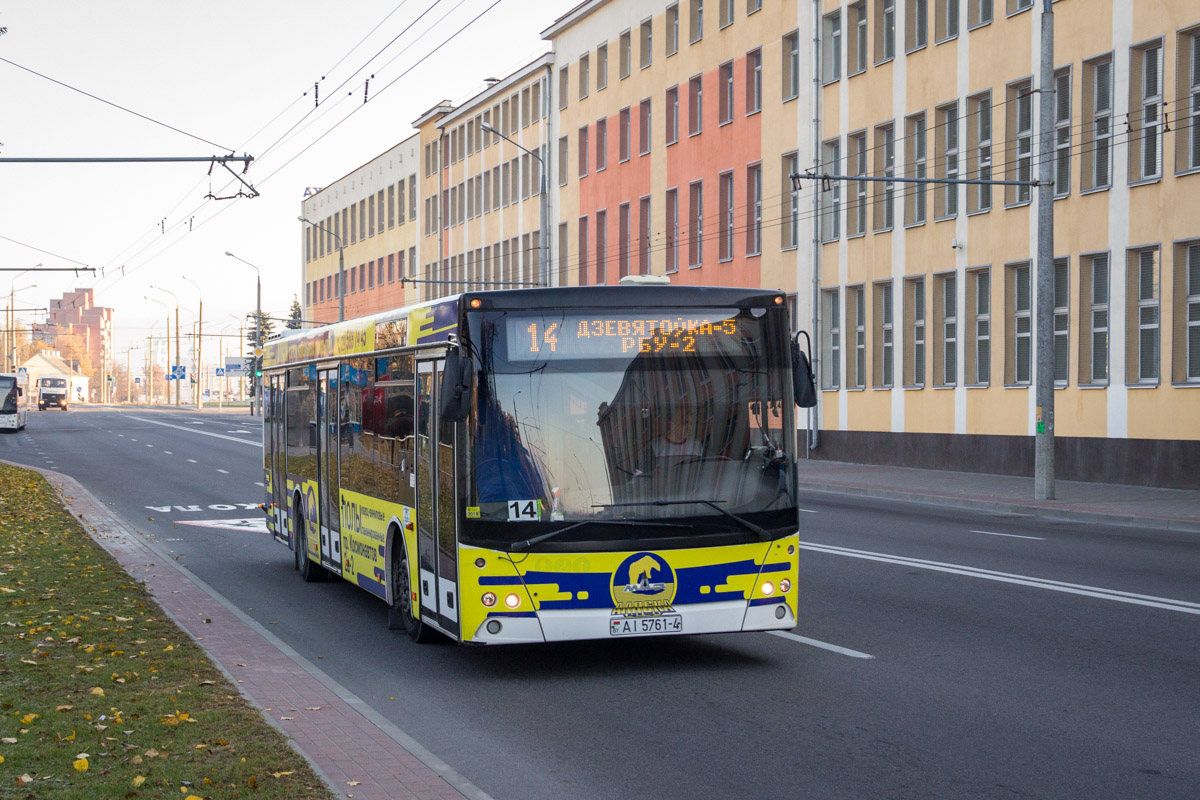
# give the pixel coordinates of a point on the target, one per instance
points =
(635, 626)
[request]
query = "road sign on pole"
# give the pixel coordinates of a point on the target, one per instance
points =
(220, 372)
(178, 372)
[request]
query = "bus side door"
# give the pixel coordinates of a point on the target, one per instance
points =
(328, 405)
(437, 540)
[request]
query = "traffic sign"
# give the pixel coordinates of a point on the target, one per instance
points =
(220, 372)
(22, 369)
(137, 380)
(257, 351)
(178, 372)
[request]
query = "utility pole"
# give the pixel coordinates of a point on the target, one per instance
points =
(1043, 460)
(177, 382)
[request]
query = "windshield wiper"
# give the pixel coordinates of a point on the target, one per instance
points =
(530, 542)
(762, 533)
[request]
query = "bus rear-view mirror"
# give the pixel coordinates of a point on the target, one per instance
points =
(804, 387)
(456, 387)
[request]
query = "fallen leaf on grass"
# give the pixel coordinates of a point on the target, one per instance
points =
(80, 765)
(138, 781)
(281, 774)
(96, 690)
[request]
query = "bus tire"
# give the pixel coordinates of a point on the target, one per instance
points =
(401, 613)
(309, 571)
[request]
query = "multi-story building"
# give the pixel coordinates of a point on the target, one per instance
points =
(75, 323)
(928, 292)
(366, 221)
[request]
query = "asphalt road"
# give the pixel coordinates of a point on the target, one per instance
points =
(940, 653)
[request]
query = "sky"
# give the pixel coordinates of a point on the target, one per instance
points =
(213, 78)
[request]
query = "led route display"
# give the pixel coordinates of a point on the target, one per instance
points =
(539, 337)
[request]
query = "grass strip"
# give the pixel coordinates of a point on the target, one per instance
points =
(101, 695)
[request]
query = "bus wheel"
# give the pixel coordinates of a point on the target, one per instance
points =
(400, 613)
(308, 570)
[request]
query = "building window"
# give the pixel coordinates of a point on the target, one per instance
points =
(916, 24)
(979, 152)
(1018, 305)
(583, 153)
(695, 105)
(625, 55)
(945, 195)
(1096, 147)
(725, 223)
(754, 202)
(1093, 300)
(601, 144)
(1145, 112)
(831, 47)
(623, 233)
(696, 19)
(945, 310)
(1062, 132)
(672, 230)
(644, 236)
(1142, 305)
(696, 224)
(672, 115)
(857, 53)
(856, 218)
(624, 134)
(564, 150)
(885, 167)
(585, 78)
(1015, 6)
(1187, 92)
(725, 8)
(1018, 161)
(856, 320)
(831, 339)
(1062, 320)
(914, 330)
(914, 204)
(601, 247)
(945, 20)
(978, 326)
(884, 355)
(885, 30)
(754, 81)
(725, 93)
(672, 29)
(791, 65)
(582, 267)
(1185, 328)
(564, 83)
(790, 230)
(831, 194)
(602, 67)
(646, 44)
(644, 127)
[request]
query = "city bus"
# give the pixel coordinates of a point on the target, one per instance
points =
(14, 400)
(547, 464)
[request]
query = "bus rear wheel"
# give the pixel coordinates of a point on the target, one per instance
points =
(308, 570)
(401, 615)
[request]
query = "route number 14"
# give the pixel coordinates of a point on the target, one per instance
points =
(523, 511)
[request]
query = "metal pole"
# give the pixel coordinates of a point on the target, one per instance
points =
(200, 358)
(544, 270)
(1043, 463)
(128, 377)
(257, 400)
(178, 388)
(341, 286)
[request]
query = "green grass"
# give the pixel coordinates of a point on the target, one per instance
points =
(101, 695)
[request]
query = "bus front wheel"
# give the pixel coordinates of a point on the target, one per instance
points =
(401, 614)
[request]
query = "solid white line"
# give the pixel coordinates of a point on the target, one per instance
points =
(202, 433)
(1012, 535)
(823, 645)
(1185, 606)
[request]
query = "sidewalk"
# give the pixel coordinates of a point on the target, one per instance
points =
(356, 751)
(1114, 504)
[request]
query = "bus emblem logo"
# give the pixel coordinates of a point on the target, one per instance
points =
(643, 585)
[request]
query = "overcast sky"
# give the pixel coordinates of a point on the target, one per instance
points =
(230, 76)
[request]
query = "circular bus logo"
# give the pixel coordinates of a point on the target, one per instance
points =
(643, 584)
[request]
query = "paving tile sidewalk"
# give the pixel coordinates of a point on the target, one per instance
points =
(1176, 509)
(344, 739)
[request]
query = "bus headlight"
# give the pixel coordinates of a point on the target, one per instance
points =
(785, 585)
(512, 601)
(768, 588)
(489, 599)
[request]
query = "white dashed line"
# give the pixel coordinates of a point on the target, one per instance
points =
(168, 452)
(257, 483)
(149, 445)
(191, 461)
(225, 471)
(1012, 535)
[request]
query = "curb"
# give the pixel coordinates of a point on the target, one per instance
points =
(956, 501)
(102, 526)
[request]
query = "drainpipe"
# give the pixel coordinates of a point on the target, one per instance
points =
(547, 171)
(814, 417)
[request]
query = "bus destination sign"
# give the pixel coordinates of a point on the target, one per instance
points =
(539, 337)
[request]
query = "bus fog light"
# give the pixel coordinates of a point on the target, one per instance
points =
(768, 588)
(779, 612)
(785, 585)
(494, 626)
(489, 599)
(512, 601)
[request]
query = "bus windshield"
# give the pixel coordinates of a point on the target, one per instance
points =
(612, 416)
(8, 395)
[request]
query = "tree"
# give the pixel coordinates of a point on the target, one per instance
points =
(253, 321)
(295, 315)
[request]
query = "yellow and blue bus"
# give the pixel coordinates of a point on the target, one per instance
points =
(546, 464)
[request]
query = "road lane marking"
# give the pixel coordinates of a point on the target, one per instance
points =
(192, 461)
(202, 433)
(1152, 601)
(223, 470)
(258, 483)
(239, 431)
(149, 445)
(1012, 535)
(808, 511)
(833, 648)
(168, 452)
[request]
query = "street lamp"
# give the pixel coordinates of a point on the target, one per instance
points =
(258, 331)
(199, 351)
(544, 269)
(168, 291)
(167, 335)
(12, 318)
(341, 287)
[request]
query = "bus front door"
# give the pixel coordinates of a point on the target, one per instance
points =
(273, 419)
(437, 542)
(328, 424)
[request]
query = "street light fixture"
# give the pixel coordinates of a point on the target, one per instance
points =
(168, 291)
(544, 269)
(258, 331)
(341, 287)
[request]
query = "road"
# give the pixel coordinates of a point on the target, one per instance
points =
(940, 653)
